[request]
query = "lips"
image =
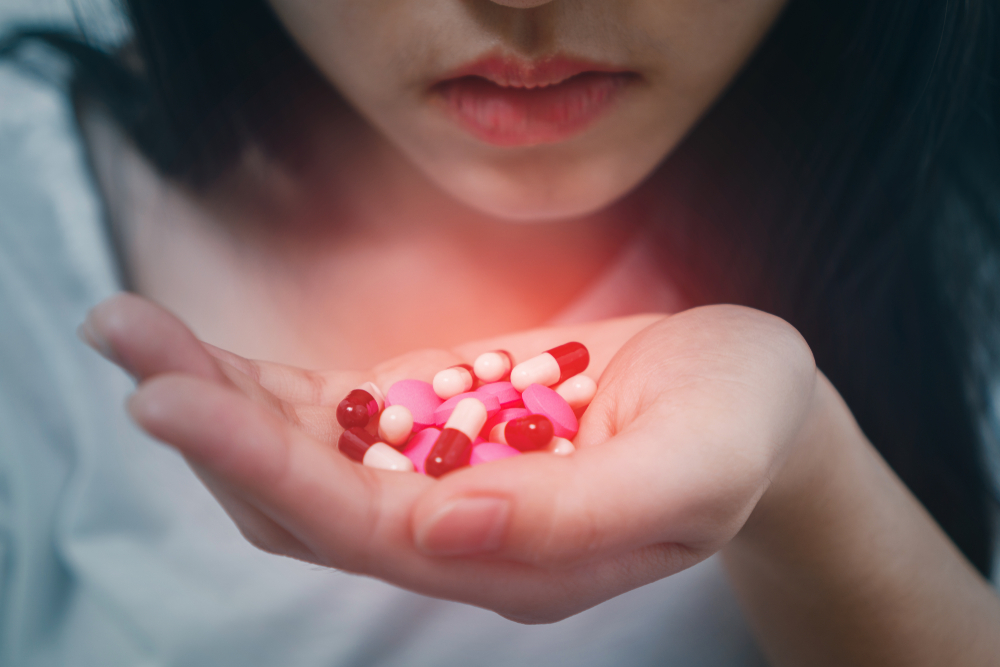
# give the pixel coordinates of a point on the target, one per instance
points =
(512, 102)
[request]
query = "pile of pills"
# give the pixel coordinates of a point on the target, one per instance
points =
(470, 415)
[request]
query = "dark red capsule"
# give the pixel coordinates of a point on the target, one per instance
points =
(354, 442)
(573, 359)
(451, 450)
(357, 409)
(529, 433)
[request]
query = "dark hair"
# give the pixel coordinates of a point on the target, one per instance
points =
(847, 182)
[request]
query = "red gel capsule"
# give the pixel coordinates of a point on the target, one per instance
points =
(357, 409)
(529, 433)
(451, 450)
(573, 359)
(354, 442)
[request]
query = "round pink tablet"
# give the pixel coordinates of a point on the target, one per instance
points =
(418, 397)
(491, 451)
(444, 410)
(420, 446)
(504, 416)
(541, 400)
(505, 393)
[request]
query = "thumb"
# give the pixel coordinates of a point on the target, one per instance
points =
(632, 492)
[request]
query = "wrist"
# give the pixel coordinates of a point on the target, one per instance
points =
(824, 462)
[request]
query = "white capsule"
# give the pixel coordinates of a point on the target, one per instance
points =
(384, 457)
(453, 381)
(492, 366)
(578, 391)
(395, 425)
(542, 370)
(376, 393)
(468, 417)
(561, 447)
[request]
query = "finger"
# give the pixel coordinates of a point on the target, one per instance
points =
(257, 528)
(289, 383)
(327, 388)
(146, 340)
(563, 512)
(304, 486)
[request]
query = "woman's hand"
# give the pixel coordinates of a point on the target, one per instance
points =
(694, 415)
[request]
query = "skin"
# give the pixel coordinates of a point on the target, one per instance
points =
(712, 429)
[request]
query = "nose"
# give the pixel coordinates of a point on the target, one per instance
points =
(521, 4)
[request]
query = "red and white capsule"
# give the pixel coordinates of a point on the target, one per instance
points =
(551, 367)
(578, 391)
(360, 406)
(360, 445)
(395, 425)
(525, 434)
(493, 366)
(453, 381)
(453, 447)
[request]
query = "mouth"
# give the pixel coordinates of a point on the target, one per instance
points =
(513, 102)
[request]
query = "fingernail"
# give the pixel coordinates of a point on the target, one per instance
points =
(464, 527)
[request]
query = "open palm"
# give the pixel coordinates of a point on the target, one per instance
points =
(694, 414)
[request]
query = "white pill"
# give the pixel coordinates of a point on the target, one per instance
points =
(453, 381)
(492, 366)
(561, 447)
(384, 457)
(578, 391)
(395, 425)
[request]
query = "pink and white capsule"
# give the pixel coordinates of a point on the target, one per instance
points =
(395, 425)
(551, 367)
(384, 457)
(578, 391)
(453, 381)
(493, 366)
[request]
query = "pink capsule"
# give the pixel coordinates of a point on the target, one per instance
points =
(525, 434)
(490, 451)
(360, 406)
(493, 366)
(395, 425)
(551, 367)
(453, 381)
(578, 391)
(454, 446)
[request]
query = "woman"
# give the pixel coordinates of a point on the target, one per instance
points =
(488, 148)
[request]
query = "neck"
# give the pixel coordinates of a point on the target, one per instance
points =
(344, 267)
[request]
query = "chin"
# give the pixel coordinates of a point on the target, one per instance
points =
(538, 200)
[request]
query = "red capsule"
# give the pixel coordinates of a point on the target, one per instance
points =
(551, 367)
(354, 442)
(529, 433)
(453, 447)
(360, 406)
(451, 450)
